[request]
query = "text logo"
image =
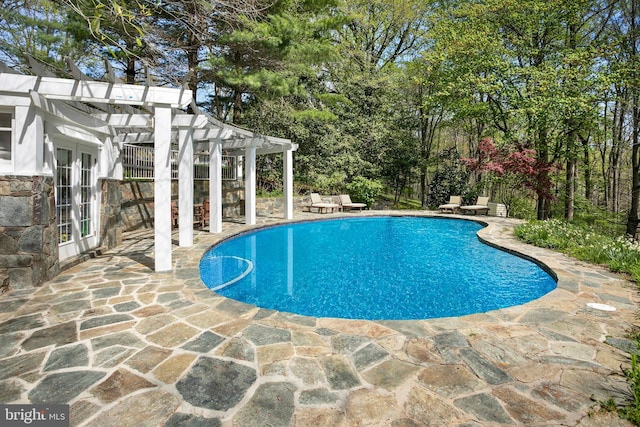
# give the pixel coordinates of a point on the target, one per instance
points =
(52, 415)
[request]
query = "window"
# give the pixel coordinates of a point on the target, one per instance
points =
(86, 188)
(64, 195)
(6, 127)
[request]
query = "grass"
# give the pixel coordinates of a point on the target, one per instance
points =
(404, 203)
(632, 411)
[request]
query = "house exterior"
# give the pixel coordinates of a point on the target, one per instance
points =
(61, 166)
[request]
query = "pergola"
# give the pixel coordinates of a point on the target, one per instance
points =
(109, 114)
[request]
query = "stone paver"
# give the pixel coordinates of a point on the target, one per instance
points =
(125, 346)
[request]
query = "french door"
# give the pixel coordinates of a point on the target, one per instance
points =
(76, 199)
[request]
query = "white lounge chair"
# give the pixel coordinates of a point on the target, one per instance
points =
(452, 206)
(318, 203)
(346, 203)
(481, 206)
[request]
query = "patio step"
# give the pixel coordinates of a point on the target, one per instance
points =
(84, 256)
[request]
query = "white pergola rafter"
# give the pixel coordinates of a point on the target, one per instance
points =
(66, 113)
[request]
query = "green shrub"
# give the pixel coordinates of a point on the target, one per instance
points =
(522, 208)
(632, 412)
(619, 254)
(364, 190)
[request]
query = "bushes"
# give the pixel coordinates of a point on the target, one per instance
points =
(619, 254)
(364, 190)
(360, 189)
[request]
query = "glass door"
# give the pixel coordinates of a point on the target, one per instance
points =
(76, 205)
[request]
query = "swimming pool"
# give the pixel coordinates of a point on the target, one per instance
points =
(394, 268)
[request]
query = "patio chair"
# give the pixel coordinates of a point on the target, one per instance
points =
(346, 203)
(318, 203)
(174, 214)
(452, 206)
(481, 206)
(205, 210)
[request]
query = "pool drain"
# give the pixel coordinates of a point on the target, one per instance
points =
(601, 307)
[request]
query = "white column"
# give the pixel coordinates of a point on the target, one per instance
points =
(288, 184)
(250, 185)
(185, 186)
(162, 188)
(215, 185)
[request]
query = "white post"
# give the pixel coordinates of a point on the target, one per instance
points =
(162, 188)
(250, 185)
(288, 184)
(185, 186)
(215, 185)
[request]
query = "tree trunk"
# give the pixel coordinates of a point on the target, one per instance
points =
(192, 62)
(586, 162)
(543, 208)
(615, 158)
(570, 188)
(130, 72)
(237, 106)
(634, 220)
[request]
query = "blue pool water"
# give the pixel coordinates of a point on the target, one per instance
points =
(372, 268)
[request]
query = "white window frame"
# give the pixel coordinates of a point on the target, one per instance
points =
(7, 165)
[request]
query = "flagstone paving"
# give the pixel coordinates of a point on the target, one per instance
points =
(125, 346)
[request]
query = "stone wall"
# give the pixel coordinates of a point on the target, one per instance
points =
(28, 234)
(232, 197)
(136, 201)
(111, 225)
(136, 207)
(274, 206)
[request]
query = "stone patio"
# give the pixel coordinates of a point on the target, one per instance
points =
(125, 346)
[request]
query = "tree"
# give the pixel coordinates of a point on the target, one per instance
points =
(633, 78)
(513, 169)
(270, 55)
(42, 29)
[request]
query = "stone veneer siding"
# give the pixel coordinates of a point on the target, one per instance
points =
(111, 225)
(137, 202)
(28, 233)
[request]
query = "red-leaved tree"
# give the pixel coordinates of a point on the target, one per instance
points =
(515, 168)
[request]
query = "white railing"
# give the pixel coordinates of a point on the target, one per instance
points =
(137, 162)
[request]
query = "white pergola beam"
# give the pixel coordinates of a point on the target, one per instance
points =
(142, 120)
(96, 92)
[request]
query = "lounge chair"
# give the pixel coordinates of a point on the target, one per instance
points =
(346, 203)
(481, 206)
(316, 202)
(452, 206)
